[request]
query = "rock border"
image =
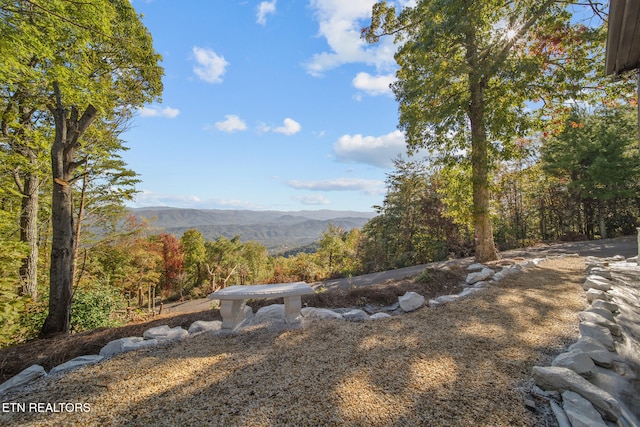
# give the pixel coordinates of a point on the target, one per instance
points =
(591, 383)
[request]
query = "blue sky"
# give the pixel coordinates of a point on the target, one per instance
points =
(267, 105)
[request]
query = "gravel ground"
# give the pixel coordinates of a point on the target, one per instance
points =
(460, 364)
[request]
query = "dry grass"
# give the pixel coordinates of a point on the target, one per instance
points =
(461, 364)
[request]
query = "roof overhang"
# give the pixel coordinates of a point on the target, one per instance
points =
(623, 36)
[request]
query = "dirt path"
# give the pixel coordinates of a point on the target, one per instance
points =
(459, 364)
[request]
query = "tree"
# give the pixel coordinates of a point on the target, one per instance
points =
(223, 259)
(414, 226)
(255, 260)
(23, 133)
(77, 61)
(172, 264)
(11, 254)
(468, 67)
(595, 156)
(195, 256)
(332, 248)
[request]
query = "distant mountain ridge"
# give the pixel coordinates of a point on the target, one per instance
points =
(278, 231)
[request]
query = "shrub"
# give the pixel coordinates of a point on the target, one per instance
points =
(424, 277)
(96, 307)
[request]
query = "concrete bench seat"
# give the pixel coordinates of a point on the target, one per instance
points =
(232, 300)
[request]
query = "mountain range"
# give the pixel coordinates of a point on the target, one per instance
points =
(278, 231)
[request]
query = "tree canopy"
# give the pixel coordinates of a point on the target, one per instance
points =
(470, 72)
(68, 65)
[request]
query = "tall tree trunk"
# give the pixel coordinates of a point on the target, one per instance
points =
(69, 129)
(28, 183)
(29, 234)
(602, 223)
(83, 195)
(485, 246)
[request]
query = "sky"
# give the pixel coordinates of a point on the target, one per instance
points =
(267, 105)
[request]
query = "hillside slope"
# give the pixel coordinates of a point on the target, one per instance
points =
(276, 230)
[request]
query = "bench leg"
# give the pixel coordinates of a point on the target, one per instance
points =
(232, 312)
(292, 307)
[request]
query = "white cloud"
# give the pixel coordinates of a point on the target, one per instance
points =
(150, 198)
(210, 66)
(372, 150)
(313, 199)
(369, 186)
(231, 123)
(340, 23)
(166, 112)
(289, 127)
(374, 85)
(147, 198)
(265, 8)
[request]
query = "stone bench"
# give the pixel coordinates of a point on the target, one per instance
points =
(232, 300)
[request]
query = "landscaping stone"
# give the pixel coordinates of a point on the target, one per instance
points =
(319, 313)
(31, 373)
(203, 325)
(115, 347)
(603, 358)
(598, 319)
(476, 266)
(577, 361)
(269, 313)
(599, 333)
(443, 299)
(597, 282)
(165, 334)
(377, 316)
(410, 301)
(595, 350)
(123, 345)
(602, 312)
(587, 344)
(563, 379)
(355, 315)
(76, 363)
(612, 307)
(595, 261)
(600, 271)
(468, 291)
(506, 271)
(484, 274)
(595, 294)
(561, 416)
(580, 411)
(126, 347)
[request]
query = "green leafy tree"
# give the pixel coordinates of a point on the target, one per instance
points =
(223, 259)
(467, 69)
(332, 249)
(413, 226)
(195, 256)
(255, 263)
(596, 157)
(79, 62)
(12, 305)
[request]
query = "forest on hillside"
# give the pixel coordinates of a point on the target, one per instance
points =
(527, 141)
